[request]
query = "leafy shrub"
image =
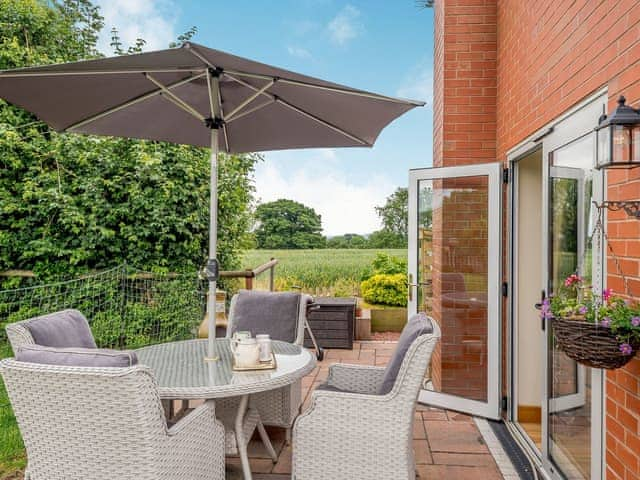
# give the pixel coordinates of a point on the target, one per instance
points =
(385, 264)
(385, 289)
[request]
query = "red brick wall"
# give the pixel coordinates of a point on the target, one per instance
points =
(465, 82)
(494, 86)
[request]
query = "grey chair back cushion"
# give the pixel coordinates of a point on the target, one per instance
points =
(76, 357)
(64, 329)
(417, 325)
(274, 313)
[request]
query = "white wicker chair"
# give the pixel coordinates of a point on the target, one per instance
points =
(362, 435)
(18, 333)
(85, 423)
(280, 407)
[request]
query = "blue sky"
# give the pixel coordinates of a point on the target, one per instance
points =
(385, 46)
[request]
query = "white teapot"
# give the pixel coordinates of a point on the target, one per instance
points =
(247, 353)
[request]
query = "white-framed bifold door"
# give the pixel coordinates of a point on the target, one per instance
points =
(455, 257)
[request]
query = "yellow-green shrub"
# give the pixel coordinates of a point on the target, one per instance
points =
(385, 289)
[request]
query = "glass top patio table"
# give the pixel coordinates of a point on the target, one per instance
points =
(182, 372)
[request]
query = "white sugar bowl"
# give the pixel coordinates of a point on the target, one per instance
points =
(247, 353)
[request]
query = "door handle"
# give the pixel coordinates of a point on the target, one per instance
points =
(538, 306)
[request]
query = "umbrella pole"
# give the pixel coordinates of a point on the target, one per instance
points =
(213, 238)
(214, 123)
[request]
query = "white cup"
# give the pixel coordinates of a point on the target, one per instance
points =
(264, 341)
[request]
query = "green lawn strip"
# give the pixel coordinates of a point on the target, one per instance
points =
(12, 455)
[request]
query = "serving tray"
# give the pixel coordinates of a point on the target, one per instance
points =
(268, 365)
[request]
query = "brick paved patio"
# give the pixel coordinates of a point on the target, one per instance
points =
(447, 444)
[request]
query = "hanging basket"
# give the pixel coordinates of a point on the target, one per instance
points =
(590, 344)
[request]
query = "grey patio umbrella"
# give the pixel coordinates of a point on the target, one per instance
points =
(199, 96)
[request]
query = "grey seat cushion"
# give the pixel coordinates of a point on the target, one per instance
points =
(64, 329)
(274, 313)
(417, 325)
(76, 357)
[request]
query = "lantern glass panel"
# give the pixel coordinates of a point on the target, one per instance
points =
(604, 156)
(621, 144)
(635, 137)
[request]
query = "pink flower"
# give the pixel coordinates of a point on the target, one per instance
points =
(626, 349)
(572, 279)
(606, 294)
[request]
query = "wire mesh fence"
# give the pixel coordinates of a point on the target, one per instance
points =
(126, 308)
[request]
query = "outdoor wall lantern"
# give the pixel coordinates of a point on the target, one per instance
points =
(619, 138)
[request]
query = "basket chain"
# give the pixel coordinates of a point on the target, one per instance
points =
(599, 229)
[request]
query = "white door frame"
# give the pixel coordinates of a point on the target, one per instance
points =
(574, 400)
(575, 124)
(493, 171)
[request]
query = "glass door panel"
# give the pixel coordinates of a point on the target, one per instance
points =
(454, 262)
(569, 384)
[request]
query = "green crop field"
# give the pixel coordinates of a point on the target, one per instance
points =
(336, 272)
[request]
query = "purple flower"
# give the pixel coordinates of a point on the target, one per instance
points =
(626, 349)
(635, 321)
(606, 294)
(545, 311)
(582, 310)
(606, 322)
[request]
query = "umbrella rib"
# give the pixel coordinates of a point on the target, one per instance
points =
(251, 110)
(11, 74)
(357, 93)
(176, 99)
(129, 103)
(250, 99)
(182, 107)
(302, 111)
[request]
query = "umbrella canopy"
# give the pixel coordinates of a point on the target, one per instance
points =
(261, 107)
(198, 96)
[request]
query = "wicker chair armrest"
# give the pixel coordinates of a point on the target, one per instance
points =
(355, 378)
(195, 447)
(203, 413)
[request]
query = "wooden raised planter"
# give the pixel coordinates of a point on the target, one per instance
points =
(388, 319)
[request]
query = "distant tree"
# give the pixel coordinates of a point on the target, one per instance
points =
(288, 224)
(394, 215)
(348, 240)
(385, 239)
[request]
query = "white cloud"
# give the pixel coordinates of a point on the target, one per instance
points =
(299, 52)
(345, 206)
(418, 83)
(345, 26)
(152, 20)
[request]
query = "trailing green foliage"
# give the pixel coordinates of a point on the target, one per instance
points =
(288, 224)
(385, 289)
(71, 203)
